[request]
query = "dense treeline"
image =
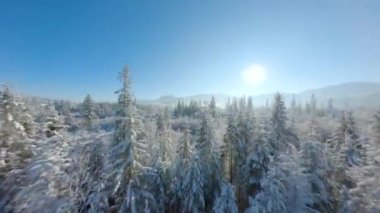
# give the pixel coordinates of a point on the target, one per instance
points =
(200, 158)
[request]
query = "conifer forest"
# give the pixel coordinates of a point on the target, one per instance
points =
(191, 156)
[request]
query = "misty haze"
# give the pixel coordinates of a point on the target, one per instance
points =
(190, 106)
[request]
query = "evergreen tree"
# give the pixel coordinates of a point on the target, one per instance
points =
(320, 172)
(208, 154)
(178, 110)
(184, 152)
(212, 107)
(330, 106)
(88, 111)
(129, 152)
(338, 138)
(313, 105)
(162, 135)
(227, 149)
(293, 104)
(182, 164)
(272, 198)
(13, 150)
(282, 138)
(353, 152)
(88, 192)
(256, 164)
(226, 201)
(193, 199)
(246, 133)
(53, 123)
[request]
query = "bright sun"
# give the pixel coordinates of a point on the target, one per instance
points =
(254, 75)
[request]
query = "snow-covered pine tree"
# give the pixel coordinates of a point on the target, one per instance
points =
(207, 152)
(365, 196)
(246, 134)
(193, 186)
(225, 202)
(330, 106)
(250, 104)
(293, 104)
(353, 151)
(320, 172)
(235, 107)
(212, 107)
(159, 179)
(227, 149)
(88, 190)
(282, 138)
(181, 165)
(128, 154)
(313, 105)
(349, 152)
(53, 122)
(184, 153)
(163, 135)
(26, 120)
(88, 111)
(13, 150)
(338, 138)
(256, 163)
(273, 196)
(284, 188)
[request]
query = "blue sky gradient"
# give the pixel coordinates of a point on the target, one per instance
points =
(70, 48)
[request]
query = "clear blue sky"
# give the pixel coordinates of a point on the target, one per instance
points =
(70, 48)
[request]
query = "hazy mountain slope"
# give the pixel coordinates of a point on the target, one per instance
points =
(351, 94)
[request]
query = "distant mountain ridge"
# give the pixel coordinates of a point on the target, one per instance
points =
(353, 94)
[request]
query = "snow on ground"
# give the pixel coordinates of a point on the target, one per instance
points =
(44, 184)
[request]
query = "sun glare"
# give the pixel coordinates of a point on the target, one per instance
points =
(254, 75)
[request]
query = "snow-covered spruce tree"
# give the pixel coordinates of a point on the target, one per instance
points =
(13, 150)
(212, 107)
(272, 198)
(365, 196)
(348, 149)
(179, 109)
(353, 151)
(250, 105)
(163, 135)
(284, 188)
(293, 104)
(160, 177)
(330, 107)
(256, 163)
(88, 190)
(88, 111)
(226, 201)
(193, 186)
(338, 138)
(27, 121)
(320, 173)
(246, 133)
(313, 105)
(238, 139)
(184, 154)
(53, 122)
(207, 152)
(128, 155)
(181, 165)
(282, 138)
(227, 149)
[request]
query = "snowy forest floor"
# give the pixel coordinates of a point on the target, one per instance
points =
(43, 185)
